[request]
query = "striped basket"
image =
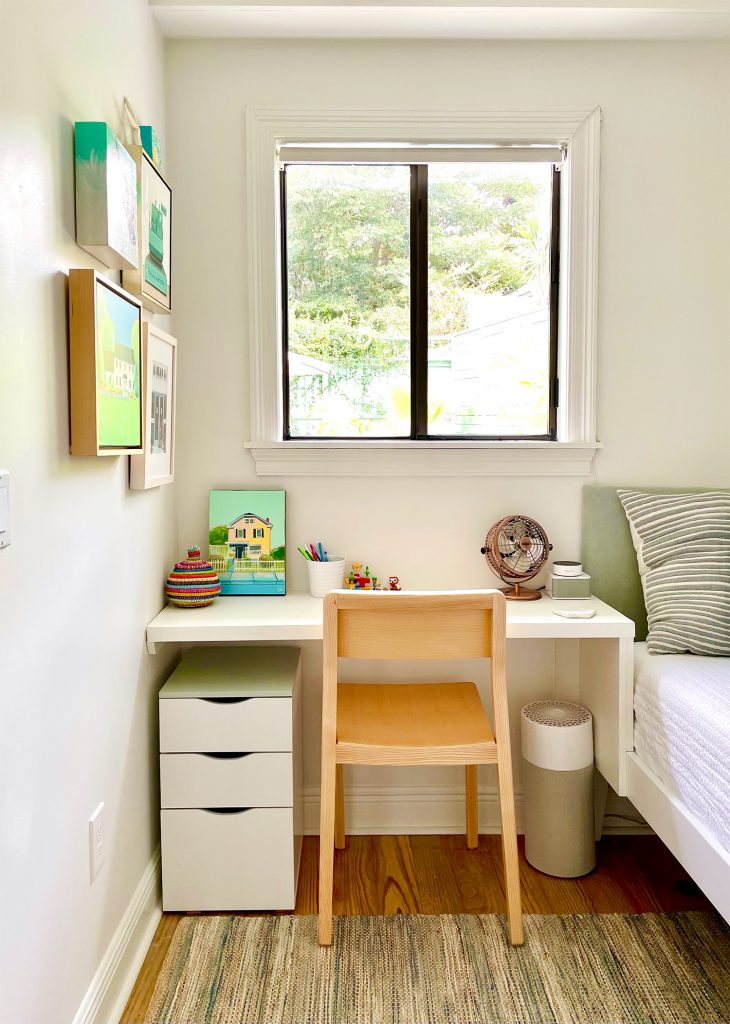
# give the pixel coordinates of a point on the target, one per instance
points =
(193, 583)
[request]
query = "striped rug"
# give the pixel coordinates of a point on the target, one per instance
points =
(410, 969)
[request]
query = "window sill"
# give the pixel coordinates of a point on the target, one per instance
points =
(423, 458)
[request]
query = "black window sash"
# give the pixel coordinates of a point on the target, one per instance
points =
(419, 320)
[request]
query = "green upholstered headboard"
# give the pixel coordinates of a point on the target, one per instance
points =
(607, 550)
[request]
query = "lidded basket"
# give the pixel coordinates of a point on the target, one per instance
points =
(193, 583)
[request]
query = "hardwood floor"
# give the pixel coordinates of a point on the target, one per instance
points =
(438, 875)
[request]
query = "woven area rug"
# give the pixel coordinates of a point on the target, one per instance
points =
(411, 969)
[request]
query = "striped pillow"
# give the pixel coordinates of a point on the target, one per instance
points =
(682, 545)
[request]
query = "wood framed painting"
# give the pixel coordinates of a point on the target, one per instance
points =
(151, 282)
(247, 541)
(105, 328)
(156, 463)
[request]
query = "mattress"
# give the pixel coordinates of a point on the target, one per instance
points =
(682, 730)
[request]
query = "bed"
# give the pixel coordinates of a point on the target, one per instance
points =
(678, 764)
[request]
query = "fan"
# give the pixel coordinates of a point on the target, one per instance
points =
(516, 549)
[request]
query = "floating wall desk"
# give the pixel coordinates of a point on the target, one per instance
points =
(601, 649)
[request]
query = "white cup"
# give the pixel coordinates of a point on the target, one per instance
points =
(325, 576)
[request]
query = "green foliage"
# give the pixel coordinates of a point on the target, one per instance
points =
(349, 262)
(278, 554)
(218, 535)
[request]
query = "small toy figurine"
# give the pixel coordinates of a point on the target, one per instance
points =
(357, 581)
(393, 582)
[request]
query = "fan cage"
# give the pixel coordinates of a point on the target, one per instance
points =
(495, 548)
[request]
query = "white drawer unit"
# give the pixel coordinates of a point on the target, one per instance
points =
(230, 779)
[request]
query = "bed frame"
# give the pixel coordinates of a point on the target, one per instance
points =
(608, 555)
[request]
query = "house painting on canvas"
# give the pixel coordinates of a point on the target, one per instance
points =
(246, 541)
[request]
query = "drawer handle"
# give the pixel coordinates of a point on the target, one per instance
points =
(225, 700)
(225, 810)
(225, 756)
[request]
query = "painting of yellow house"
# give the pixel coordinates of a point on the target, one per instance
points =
(247, 547)
(249, 536)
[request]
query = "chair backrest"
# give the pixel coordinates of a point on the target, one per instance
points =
(385, 624)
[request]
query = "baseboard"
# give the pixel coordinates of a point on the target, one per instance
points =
(424, 810)
(112, 984)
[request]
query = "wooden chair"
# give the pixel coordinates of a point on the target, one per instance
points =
(405, 723)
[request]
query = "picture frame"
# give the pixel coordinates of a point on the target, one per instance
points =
(105, 388)
(247, 541)
(155, 465)
(106, 196)
(151, 281)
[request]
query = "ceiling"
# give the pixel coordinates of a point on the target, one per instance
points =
(431, 19)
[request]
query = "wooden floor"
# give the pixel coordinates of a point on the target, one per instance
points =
(438, 875)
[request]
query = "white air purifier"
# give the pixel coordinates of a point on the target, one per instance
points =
(557, 771)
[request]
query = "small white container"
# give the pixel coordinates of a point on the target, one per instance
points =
(325, 576)
(567, 569)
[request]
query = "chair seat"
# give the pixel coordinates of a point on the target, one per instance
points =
(412, 723)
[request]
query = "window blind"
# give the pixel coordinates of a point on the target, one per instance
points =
(312, 153)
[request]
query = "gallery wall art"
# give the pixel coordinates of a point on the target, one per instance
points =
(105, 329)
(106, 196)
(247, 541)
(155, 465)
(151, 281)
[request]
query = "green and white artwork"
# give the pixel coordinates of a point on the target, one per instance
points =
(246, 541)
(106, 196)
(118, 386)
(155, 231)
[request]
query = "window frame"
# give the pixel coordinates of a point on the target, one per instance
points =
(573, 450)
(419, 296)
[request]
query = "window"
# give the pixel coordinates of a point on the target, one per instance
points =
(258, 533)
(272, 133)
(420, 300)
(240, 533)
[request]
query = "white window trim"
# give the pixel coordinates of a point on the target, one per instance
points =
(572, 454)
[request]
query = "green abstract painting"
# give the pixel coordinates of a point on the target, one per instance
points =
(118, 385)
(106, 196)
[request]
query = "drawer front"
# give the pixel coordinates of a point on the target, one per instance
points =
(192, 725)
(238, 780)
(228, 861)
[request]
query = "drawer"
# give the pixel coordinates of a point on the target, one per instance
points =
(243, 860)
(221, 725)
(220, 780)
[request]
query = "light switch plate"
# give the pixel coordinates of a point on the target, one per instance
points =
(4, 507)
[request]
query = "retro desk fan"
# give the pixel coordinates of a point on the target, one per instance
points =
(516, 548)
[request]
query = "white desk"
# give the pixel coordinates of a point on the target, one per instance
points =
(601, 650)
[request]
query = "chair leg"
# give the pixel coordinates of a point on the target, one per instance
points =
(326, 846)
(509, 850)
(472, 807)
(339, 809)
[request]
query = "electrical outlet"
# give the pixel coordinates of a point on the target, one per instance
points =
(97, 841)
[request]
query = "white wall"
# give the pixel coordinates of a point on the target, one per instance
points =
(84, 572)
(664, 296)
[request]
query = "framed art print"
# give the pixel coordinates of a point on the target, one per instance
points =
(152, 280)
(246, 541)
(106, 196)
(156, 463)
(105, 326)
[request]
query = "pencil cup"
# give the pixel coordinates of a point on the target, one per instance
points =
(324, 576)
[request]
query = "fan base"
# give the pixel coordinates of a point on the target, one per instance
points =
(518, 593)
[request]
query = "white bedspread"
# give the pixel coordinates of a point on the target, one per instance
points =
(682, 730)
